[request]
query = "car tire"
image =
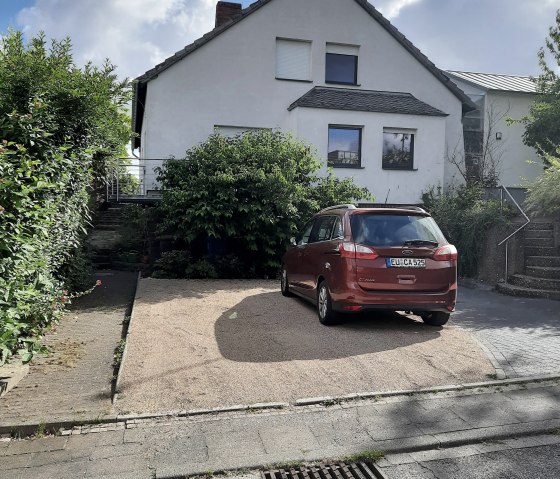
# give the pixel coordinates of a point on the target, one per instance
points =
(435, 318)
(327, 316)
(284, 284)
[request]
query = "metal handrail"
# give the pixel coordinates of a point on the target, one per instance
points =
(506, 240)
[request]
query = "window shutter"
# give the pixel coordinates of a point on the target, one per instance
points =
(343, 49)
(293, 59)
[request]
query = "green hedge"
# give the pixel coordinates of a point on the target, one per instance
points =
(59, 126)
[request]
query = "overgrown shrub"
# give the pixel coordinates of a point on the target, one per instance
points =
(465, 218)
(544, 193)
(252, 191)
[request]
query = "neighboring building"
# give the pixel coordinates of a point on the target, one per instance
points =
(499, 97)
(335, 73)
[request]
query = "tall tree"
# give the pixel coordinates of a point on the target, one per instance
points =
(543, 122)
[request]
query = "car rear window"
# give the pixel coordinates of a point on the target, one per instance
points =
(394, 230)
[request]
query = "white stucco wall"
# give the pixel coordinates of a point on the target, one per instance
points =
(519, 163)
(231, 81)
(393, 186)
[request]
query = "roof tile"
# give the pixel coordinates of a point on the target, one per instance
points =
(365, 100)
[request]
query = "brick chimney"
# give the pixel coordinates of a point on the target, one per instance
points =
(225, 11)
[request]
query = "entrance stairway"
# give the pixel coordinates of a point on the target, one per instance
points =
(105, 236)
(541, 277)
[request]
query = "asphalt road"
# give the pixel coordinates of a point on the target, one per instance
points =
(538, 462)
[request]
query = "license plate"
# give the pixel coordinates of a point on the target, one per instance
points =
(406, 262)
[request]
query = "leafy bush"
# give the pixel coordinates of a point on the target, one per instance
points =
(464, 217)
(172, 264)
(544, 194)
(58, 123)
(252, 191)
(201, 269)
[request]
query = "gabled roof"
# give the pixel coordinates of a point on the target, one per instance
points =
(141, 82)
(365, 100)
(492, 81)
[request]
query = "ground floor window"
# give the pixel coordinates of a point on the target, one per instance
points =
(345, 145)
(398, 149)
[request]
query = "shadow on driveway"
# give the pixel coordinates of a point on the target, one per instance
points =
(269, 328)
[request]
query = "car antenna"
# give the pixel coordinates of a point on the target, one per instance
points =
(387, 197)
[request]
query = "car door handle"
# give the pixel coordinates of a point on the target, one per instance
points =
(334, 251)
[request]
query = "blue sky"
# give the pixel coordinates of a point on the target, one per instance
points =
(496, 36)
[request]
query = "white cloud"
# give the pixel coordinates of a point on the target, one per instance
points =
(134, 34)
(392, 8)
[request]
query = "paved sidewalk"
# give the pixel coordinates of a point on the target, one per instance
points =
(521, 334)
(175, 447)
(73, 382)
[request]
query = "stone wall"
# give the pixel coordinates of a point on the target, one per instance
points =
(491, 267)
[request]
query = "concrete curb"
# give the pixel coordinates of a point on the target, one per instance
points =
(326, 401)
(329, 400)
(121, 366)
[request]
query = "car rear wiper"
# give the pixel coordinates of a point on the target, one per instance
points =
(420, 242)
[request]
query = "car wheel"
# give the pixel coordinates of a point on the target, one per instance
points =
(284, 285)
(435, 318)
(327, 316)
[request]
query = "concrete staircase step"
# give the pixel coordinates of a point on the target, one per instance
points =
(539, 234)
(543, 242)
(539, 225)
(100, 258)
(103, 227)
(535, 283)
(543, 272)
(108, 221)
(514, 290)
(541, 251)
(547, 261)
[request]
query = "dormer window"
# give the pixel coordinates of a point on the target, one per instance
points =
(341, 64)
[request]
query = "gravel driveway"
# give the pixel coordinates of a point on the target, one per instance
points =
(207, 343)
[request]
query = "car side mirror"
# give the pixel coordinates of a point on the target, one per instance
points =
(293, 241)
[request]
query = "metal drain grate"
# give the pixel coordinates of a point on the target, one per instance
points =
(359, 470)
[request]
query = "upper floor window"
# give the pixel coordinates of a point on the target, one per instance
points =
(345, 144)
(231, 131)
(341, 64)
(398, 149)
(293, 59)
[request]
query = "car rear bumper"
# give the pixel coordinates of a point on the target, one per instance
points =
(417, 302)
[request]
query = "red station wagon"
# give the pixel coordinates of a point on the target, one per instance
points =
(349, 259)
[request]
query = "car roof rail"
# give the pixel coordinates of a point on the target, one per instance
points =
(415, 208)
(347, 206)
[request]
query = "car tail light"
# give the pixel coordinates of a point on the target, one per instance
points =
(358, 251)
(446, 253)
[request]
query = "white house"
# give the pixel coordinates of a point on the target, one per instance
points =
(499, 97)
(335, 73)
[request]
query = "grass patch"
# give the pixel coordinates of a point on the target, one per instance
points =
(366, 456)
(118, 354)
